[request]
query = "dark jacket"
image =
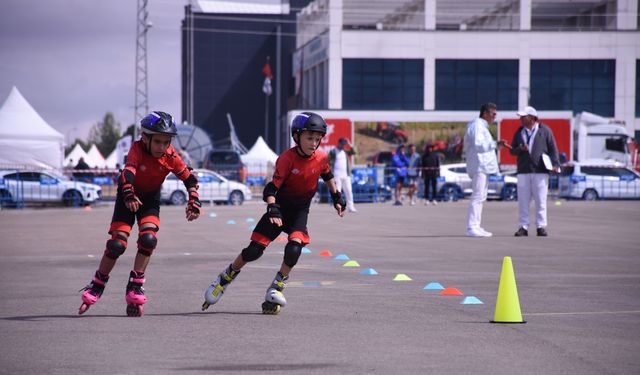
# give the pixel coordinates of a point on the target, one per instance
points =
(544, 143)
(431, 164)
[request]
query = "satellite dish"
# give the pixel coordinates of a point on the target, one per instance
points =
(193, 139)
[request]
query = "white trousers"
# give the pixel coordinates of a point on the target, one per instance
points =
(343, 184)
(479, 187)
(533, 186)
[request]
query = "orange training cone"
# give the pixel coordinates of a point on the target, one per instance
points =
(507, 303)
(325, 253)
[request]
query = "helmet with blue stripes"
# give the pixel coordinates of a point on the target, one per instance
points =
(308, 121)
(158, 122)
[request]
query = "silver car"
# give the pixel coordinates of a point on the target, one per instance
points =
(19, 186)
(601, 181)
(212, 187)
(455, 180)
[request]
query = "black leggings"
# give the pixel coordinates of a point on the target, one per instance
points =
(430, 181)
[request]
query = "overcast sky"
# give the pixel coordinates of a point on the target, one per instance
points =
(74, 60)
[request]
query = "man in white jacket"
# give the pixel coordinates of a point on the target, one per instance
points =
(480, 151)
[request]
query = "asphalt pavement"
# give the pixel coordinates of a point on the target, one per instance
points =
(578, 289)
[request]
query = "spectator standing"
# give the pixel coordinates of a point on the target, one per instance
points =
(535, 146)
(480, 151)
(340, 162)
(413, 173)
(430, 173)
(185, 156)
(400, 162)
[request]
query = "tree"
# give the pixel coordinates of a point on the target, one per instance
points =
(105, 134)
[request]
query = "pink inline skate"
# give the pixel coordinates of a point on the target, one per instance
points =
(135, 294)
(92, 292)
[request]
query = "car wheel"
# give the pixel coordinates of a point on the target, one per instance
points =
(72, 198)
(5, 199)
(590, 195)
(178, 198)
(510, 193)
(236, 198)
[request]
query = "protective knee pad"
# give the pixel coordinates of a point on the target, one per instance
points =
(292, 252)
(115, 246)
(147, 241)
(252, 252)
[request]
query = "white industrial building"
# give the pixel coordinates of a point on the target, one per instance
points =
(418, 60)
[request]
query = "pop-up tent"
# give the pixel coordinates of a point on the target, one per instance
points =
(26, 140)
(72, 158)
(258, 160)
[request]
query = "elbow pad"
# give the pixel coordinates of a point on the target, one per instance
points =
(270, 190)
(326, 176)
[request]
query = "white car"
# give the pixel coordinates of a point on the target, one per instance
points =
(590, 181)
(455, 183)
(212, 188)
(18, 187)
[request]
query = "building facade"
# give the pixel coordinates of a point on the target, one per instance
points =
(452, 55)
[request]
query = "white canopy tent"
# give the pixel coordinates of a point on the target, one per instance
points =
(95, 158)
(75, 155)
(26, 140)
(258, 158)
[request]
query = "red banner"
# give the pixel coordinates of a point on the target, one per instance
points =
(336, 129)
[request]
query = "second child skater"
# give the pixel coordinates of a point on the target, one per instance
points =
(288, 197)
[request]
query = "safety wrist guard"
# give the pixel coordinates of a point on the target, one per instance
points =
(194, 202)
(273, 210)
(128, 194)
(339, 199)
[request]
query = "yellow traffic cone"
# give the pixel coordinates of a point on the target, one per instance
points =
(507, 304)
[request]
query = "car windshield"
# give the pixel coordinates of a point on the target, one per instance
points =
(224, 157)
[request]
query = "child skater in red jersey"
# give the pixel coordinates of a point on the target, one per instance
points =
(288, 198)
(138, 198)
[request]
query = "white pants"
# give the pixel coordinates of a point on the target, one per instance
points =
(533, 186)
(479, 186)
(343, 184)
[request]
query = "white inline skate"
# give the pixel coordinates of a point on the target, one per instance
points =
(216, 289)
(274, 299)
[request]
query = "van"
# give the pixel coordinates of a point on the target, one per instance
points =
(227, 163)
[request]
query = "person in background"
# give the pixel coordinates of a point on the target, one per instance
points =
(535, 146)
(430, 173)
(400, 162)
(340, 162)
(480, 150)
(413, 173)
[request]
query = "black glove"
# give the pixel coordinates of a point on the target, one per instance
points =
(339, 199)
(273, 210)
(194, 202)
(128, 194)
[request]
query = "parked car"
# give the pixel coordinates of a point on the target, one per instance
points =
(227, 163)
(212, 188)
(363, 187)
(454, 183)
(17, 187)
(602, 181)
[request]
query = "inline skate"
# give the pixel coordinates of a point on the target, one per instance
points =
(93, 291)
(274, 299)
(135, 294)
(216, 289)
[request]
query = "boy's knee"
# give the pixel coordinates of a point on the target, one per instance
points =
(292, 253)
(252, 252)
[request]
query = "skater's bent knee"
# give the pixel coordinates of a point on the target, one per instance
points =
(116, 246)
(292, 252)
(252, 252)
(147, 241)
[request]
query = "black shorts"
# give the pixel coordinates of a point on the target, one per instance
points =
(294, 223)
(123, 219)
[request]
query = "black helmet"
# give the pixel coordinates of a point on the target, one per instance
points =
(158, 122)
(308, 121)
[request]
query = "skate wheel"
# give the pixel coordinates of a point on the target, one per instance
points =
(205, 305)
(134, 310)
(270, 308)
(83, 308)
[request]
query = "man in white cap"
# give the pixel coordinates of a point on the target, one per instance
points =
(534, 145)
(480, 152)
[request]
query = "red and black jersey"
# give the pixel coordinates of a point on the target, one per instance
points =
(296, 177)
(150, 172)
